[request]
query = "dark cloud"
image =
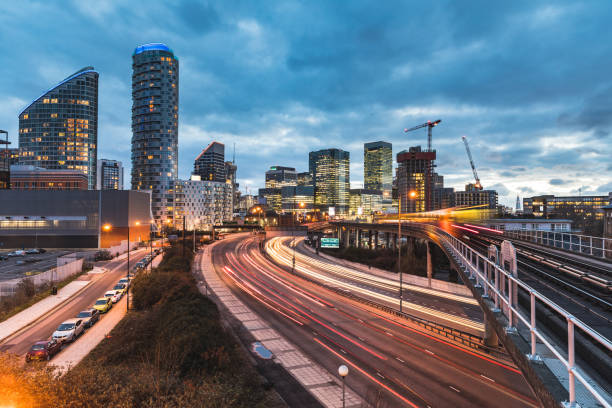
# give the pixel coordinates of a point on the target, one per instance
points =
(500, 188)
(557, 182)
(526, 190)
(605, 188)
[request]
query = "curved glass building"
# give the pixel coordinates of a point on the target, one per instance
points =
(59, 129)
(155, 127)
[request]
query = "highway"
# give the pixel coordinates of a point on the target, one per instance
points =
(43, 329)
(390, 361)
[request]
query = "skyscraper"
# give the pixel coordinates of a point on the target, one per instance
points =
(330, 169)
(155, 98)
(279, 176)
(378, 168)
(110, 175)
(415, 179)
(210, 163)
(59, 129)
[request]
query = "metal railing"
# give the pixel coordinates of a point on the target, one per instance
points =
(584, 244)
(498, 284)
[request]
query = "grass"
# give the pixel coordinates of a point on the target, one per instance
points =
(171, 350)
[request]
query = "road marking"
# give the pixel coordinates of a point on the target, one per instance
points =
(361, 338)
(430, 352)
(389, 334)
(487, 378)
(453, 388)
(400, 360)
(380, 375)
(342, 350)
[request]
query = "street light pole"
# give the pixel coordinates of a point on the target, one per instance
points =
(343, 371)
(127, 303)
(399, 248)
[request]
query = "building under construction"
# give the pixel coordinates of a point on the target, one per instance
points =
(415, 170)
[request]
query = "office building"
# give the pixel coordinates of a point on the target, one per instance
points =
(279, 176)
(415, 179)
(245, 202)
(110, 175)
(607, 219)
(585, 211)
(210, 163)
(330, 169)
(204, 203)
(155, 99)
(230, 178)
(304, 179)
(297, 199)
(474, 197)
(529, 224)
(59, 129)
(24, 177)
(5, 163)
(365, 202)
(378, 168)
(73, 219)
(443, 197)
(272, 197)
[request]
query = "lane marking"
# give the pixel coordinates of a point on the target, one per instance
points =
(400, 360)
(487, 378)
(454, 389)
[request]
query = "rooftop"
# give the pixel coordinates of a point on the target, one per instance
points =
(152, 47)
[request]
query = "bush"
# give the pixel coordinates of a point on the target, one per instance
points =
(103, 255)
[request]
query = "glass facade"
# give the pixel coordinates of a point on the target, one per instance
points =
(155, 98)
(415, 179)
(210, 163)
(331, 179)
(110, 175)
(59, 130)
(279, 176)
(365, 202)
(378, 168)
(204, 203)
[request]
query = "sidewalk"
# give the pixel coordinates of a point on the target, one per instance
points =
(27, 316)
(75, 352)
(315, 379)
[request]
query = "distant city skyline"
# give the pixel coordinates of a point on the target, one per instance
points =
(280, 80)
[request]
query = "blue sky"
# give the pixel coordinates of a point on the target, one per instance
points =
(527, 81)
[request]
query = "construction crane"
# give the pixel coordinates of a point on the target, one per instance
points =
(429, 125)
(478, 186)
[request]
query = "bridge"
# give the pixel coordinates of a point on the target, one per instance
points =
(516, 312)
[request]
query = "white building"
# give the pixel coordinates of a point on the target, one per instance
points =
(204, 203)
(530, 224)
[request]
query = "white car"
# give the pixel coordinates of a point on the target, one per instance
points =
(115, 295)
(125, 281)
(69, 330)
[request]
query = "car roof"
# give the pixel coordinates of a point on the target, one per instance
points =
(102, 298)
(73, 320)
(110, 291)
(41, 342)
(92, 310)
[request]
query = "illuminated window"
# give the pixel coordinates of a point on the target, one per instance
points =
(54, 115)
(45, 100)
(26, 116)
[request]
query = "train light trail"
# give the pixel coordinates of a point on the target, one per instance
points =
(464, 228)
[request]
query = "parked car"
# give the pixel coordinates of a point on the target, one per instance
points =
(103, 304)
(41, 250)
(121, 287)
(89, 316)
(3, 257)
(69, 330)
(17, 253)
(43, 350)
(113, 295)
(125, 281)
(32, 251)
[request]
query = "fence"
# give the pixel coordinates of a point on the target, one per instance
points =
(499, 285)
(67, 266)
(584, 244)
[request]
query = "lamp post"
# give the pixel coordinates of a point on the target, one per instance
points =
(343, 371)
(412, 194)
(127, 303)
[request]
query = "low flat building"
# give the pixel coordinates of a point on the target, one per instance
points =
(607, 217)
(529, 224)
(272, 197)
(27, 177)
(73, 218)
(473, 197)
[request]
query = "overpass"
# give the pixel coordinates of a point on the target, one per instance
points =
(548, 363)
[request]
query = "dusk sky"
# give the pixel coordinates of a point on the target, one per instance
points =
(528, 82)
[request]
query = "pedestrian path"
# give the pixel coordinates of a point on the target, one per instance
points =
(74, 353)
(39, 309)
(325, 387)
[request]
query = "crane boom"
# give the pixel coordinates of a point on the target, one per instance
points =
(429, 125)
(469, 153)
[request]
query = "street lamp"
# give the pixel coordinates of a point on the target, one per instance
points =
(343, 371)
(412, 194)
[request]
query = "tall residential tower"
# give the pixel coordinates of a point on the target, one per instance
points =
(155, 98)
(59, 129)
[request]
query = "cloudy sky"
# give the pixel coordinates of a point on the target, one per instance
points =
(529, 82)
